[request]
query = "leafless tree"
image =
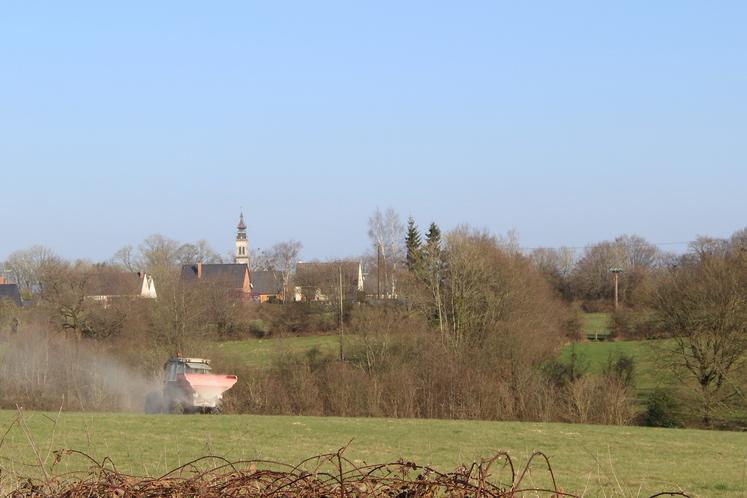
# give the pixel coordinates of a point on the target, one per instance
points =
(591, 279)
(738, 240)
(702, 304)
(64, 289)
(704, 246)
(27, 266)
(127, 258)
(159, 252)
(261, 260)
(386, 232)
(557, 266)
(200, 251)
(285, 256)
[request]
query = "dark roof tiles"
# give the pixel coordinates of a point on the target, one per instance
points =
(267, 282)
(229, 275)
(11, 292)
(115, 283)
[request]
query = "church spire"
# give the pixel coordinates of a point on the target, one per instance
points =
(242, 244)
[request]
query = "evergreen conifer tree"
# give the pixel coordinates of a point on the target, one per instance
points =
(413, 243)
(433, 239)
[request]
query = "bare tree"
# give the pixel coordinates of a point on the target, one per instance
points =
(261, 260)
(64, 289)
(159, 252)
(127, 258)
(27, 266)
(704, 246)
(702, 304)
(738, 240)
(200, 251)
(386, 232)
(285, 256)
(557, 266)
(591, 278)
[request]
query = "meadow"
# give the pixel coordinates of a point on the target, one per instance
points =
(594, 354)
(648, 374)
(595, 324)
(263, 352)
(588, 460)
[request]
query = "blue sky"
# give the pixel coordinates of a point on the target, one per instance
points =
(570, 122)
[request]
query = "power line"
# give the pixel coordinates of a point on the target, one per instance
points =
(579, 248)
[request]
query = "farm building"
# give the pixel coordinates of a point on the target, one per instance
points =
(106, 286)
(316, 281)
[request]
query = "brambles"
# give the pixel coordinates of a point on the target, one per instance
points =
(324, 475)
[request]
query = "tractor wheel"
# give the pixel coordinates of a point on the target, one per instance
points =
(153, 403)
(177, 408)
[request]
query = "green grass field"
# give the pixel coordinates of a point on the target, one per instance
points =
(588, 460)
(596, 324)
(647, 373)
(262, 352)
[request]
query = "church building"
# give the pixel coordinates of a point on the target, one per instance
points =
(260, 286)
(235, 277)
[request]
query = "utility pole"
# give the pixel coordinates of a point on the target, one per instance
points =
(616, 272)
(342, 353)
(378, 271)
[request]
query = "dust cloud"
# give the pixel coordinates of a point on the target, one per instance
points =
(44, 370)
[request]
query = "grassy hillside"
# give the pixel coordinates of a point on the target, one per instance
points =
(596, 323)
(594, 460)
(648, 374)
(262, 352)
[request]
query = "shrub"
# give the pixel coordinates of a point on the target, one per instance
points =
(258, 328)
(561, 373)
(661, 409)
(632, 324)
(596, 306)
(599, 399)
(621, 367)
(573, 328)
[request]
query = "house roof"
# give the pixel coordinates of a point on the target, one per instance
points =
(315, 272)
(115, 283)
(228, 275)
(267, 282)
(10, 291)
(347, 266)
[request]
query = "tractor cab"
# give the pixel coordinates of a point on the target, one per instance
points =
(178, 365)
(189, 387)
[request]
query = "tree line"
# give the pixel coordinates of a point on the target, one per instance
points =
(471, 325)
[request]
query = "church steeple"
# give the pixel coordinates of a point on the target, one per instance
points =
(242, 244)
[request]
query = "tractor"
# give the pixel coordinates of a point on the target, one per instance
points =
(189, 387)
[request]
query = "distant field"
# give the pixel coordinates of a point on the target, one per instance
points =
(596, 323)
(262, 352)
(586, 459)
(647, 374)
